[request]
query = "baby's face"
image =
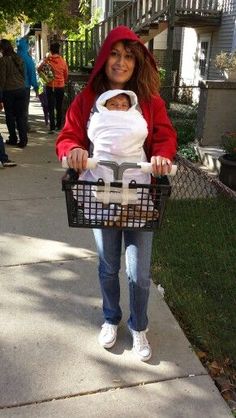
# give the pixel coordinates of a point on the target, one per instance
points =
(120, 102)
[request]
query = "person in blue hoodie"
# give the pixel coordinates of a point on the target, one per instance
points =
(30, 71)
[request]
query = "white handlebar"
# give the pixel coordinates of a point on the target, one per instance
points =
(147, 168)
(144, 166)
(91, 163)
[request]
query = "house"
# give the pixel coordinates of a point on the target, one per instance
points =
(201, 45)
(201, 30)
(39, 31)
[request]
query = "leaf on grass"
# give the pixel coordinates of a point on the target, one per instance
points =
(215, 368)
(201, 355)
(227, 389)
(229, 395)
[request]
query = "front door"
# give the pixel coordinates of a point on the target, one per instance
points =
(203, 56)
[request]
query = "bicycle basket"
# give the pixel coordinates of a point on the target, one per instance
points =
(101, 205)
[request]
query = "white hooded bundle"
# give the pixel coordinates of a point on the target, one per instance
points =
(117, 136)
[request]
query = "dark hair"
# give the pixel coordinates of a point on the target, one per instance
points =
(145, 81)
(6, 48)
(55, 48)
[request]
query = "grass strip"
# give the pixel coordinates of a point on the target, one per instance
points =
(194, 259)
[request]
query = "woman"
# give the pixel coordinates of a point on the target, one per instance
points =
(55, 89)
(123, 63)
(14, 94)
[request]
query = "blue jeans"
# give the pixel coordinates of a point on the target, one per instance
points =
(138, 248)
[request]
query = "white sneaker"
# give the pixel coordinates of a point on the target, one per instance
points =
(108, 334)
(141, 347)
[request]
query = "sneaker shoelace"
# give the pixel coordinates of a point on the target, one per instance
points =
(140, 340)
(108, 328)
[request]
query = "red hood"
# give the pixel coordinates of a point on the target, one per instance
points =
(120, 33)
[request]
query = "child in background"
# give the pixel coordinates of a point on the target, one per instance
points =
(43, 100)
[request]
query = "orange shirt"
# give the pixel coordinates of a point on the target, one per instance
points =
(60, 69)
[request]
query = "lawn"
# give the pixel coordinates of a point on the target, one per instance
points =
(194, 259)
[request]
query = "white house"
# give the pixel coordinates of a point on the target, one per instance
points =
(194, 48)
(201, 45)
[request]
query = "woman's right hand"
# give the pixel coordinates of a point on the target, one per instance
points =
(77, 159)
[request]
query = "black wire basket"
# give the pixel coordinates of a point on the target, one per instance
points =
(101, 205)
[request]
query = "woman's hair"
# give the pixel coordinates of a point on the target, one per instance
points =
(145, 81)
(6, 48)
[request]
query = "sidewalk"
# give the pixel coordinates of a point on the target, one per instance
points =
(50, 361)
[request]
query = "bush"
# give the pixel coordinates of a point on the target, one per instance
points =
(188, 152)
(185, 130)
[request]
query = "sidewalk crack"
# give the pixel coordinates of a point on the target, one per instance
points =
(102, 390)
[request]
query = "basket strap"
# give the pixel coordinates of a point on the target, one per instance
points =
(106, 195)
(125, 194)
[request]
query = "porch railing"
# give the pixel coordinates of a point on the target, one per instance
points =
(198, 6)
(139, 15)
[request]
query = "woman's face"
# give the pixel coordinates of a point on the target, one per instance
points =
(119, 66)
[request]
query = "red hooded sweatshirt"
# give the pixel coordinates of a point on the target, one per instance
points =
(161, 139)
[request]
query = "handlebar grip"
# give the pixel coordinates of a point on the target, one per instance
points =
(147, 168)
(144, 166)
(91, 163)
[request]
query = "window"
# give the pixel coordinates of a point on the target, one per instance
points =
(203, 58)
(204, 52)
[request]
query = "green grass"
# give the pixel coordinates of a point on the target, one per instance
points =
(194, 259)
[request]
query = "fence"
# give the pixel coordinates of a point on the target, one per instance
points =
(78, 54)
(194, 258)
(75, 84)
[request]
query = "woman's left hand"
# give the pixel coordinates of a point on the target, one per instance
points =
(160, 165)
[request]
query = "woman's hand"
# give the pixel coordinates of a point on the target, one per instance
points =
(77, 159)
(160, 165)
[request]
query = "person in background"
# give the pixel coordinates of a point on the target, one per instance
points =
(30, 71)
(122, 63)
(43, 100)
(13, 94)
(55, 89)
(4, 160)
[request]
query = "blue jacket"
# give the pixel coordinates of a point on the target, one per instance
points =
(30, 72)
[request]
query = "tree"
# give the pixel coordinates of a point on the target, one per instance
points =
(58, 13)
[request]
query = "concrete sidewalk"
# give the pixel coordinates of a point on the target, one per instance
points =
(50, 362)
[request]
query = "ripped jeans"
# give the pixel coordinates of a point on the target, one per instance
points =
(138, 249)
